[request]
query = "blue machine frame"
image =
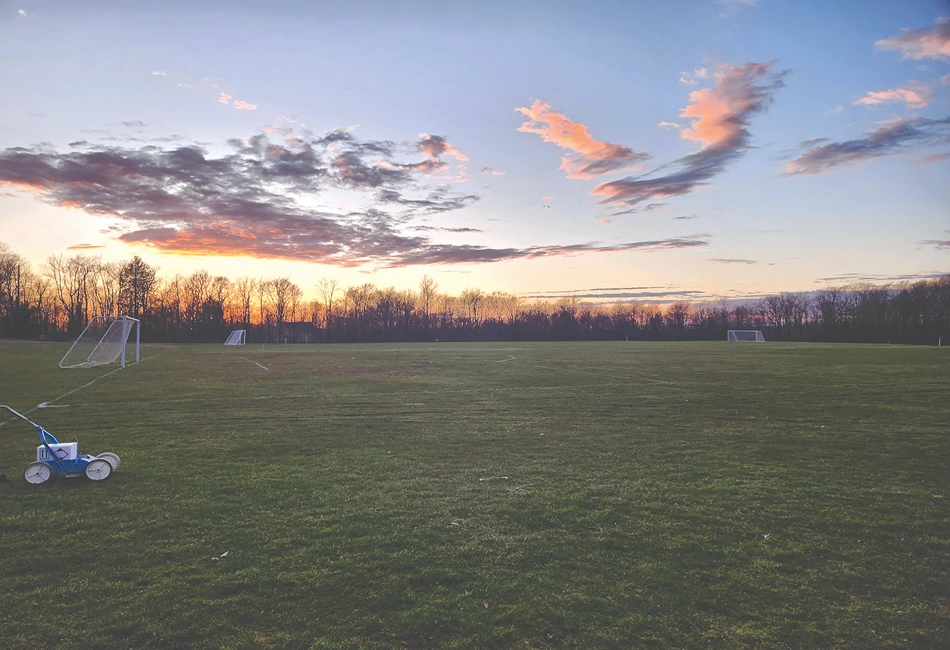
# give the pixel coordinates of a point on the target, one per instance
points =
(68, 466)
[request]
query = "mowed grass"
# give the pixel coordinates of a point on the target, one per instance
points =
(592, 495)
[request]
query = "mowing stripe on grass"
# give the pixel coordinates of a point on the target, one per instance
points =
(378, 396)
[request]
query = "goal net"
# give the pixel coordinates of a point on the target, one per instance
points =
(745, 335)
(237, 337)
(103, 342)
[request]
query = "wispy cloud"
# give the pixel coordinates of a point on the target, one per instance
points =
(922, 43)
(916, 94)
(932, 158)
(720, 116)
(892, 137)
(731, 260)
(84, 247)
(594, 158)
(731, 7)
(836, 109)
(159, 73)
(693, 78)
(224, 98)
(21, 12)
(669, 125)
(244, 106)
(848, 278)
(258, 200)
(938, 244)
(493, 172)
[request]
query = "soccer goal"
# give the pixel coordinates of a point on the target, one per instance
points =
(103, 342)
(745, 335)
(237, 337)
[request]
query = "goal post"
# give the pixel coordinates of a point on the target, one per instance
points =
(237, 337)
(745, 335)
(103, 341)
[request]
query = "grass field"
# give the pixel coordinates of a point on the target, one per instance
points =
(619, 495)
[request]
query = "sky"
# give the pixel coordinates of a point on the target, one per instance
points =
(697, 149)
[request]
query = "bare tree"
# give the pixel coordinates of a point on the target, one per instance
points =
(327, 287)
(243, 291)
(428, 289)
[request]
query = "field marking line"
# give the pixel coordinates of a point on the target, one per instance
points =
(506, 360)
(256, 363)
(48, 403)
(492, 478)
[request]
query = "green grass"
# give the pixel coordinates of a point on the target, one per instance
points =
(705, 495)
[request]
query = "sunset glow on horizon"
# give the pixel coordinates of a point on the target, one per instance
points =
(701, 149)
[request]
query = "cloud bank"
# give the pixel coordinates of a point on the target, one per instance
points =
(259, 199)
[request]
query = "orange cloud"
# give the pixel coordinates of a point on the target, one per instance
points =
(595, 158)
(714, 109)
(915, 94)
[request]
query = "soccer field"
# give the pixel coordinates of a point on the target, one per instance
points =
(562, 495)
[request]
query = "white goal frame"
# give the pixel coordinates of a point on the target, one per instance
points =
(237, 337)
(745, 335)
(103, 341)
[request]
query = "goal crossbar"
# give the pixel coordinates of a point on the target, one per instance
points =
(745, 335)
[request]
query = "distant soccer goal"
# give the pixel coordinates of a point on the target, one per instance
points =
(237, 337)
(745, 335)
(104, 341)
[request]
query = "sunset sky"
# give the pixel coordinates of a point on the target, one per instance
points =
(626, 149)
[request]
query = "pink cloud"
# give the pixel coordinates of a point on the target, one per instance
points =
(915, 94)
(493, 172)
(244, 106)
(224, 98)
(720, 115)
(923, 43)
(595, 158)
(436, 145)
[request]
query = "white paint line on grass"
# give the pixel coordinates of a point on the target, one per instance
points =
(48, 403)
(256, 363)
(505, 360)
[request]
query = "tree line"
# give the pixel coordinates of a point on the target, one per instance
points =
(56, 300)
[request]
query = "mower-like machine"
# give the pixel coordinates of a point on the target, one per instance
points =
(55, 457)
